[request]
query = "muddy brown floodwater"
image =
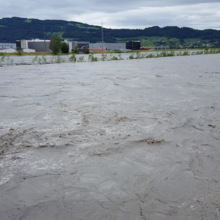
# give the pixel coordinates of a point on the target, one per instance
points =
(114, 140)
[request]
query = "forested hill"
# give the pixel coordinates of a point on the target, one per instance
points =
(16, 28)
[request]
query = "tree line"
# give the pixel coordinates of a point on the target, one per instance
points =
(16, 28)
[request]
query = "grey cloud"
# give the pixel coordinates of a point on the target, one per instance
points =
(115, 13)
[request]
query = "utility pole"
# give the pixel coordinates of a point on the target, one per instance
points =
(44, 40)
(102, 38)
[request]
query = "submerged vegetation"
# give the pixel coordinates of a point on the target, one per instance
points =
(42, 58)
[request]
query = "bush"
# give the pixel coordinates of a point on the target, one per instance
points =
(59, 60)
(81, 59)
(114, 58)
(150, 56)
(185, 53)
(92, 58)
(104, 57)
(64, 48)
(171, 53)
(75, 50)
(86, 50)
(72, 58)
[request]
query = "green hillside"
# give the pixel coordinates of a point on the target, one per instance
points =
(16, 28)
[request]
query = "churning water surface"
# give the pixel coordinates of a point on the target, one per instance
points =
(125, 140)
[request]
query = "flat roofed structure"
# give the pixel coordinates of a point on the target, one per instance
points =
(80, 45)
(107, 46)
(35, 44)
(7, 46)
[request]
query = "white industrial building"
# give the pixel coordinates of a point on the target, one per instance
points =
(107, 46)
(43, 45)
(7, 46)
(80, 45)
(35, 44)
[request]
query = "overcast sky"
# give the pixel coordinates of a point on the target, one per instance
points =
(198, 14)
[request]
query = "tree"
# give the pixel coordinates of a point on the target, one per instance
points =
(55, 43)
(64, 48)
(19, 50)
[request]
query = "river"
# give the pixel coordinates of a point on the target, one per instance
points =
(118, 140)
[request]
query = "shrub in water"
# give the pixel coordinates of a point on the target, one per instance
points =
(72, 58)
(185, 53)
(81, 59)
(92, 58)
(114, 58)
(104, 57)
(59, 60)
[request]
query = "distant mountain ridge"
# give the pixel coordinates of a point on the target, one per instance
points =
(17, 28)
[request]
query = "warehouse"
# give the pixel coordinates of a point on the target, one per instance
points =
(79, 45)
(107, 46)
(36, 44)
(7, 46)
